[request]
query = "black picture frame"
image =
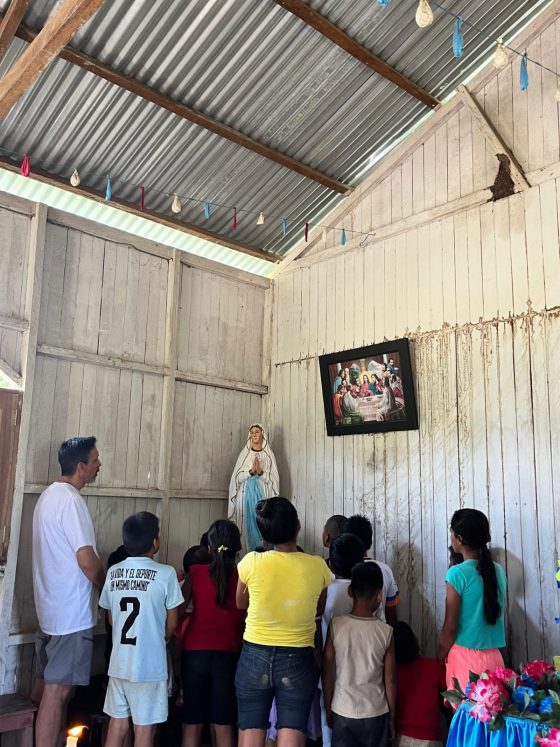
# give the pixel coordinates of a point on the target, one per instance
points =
(374, 409)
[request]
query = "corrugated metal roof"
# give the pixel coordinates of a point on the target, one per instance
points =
(257, 68)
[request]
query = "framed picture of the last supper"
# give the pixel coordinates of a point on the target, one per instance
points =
(369, 390)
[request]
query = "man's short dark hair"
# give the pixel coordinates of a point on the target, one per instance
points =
(277, 520)
(361, 527)
(366, 580)
(74, 451)
(345, 552)
(139, 532)
(334, 524)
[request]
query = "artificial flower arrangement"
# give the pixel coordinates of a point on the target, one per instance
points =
(532, 693)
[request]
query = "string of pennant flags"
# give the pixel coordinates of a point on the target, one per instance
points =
(424, 17)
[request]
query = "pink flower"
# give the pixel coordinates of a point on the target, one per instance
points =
(503, 674)
(553, 739)
(537, 669)
(489, 695)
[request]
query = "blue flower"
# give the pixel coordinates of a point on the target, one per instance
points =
(528, 681)
(524, 699)
(545, 706)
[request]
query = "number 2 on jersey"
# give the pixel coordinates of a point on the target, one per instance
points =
(126, 602)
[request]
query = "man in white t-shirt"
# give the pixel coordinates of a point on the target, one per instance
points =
(143, 598)
(67, 574)
(387, 610)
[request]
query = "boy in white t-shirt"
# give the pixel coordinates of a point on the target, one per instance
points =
(143, 598)
(359, 670)
(362, 528)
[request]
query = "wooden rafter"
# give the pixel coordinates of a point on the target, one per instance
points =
(10, 23)
(493, 136)
(128, 83)
(314, 19)
(68, 17)
(202, 233)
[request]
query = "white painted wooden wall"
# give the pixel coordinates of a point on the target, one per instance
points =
(156, 353)
(476, 287)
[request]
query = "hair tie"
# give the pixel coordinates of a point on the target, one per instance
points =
(222, 548)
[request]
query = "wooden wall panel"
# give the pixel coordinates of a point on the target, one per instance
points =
(210, 426)
(220, 326)
(102, 297)
(122, 408)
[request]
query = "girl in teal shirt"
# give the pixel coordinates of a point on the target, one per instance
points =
(473, 630)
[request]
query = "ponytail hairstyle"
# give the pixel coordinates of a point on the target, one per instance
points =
(472, 528)
(224, 542)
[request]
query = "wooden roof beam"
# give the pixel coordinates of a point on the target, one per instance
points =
(128, 83)
(10, 23)
(314, 19)
(67, 18)
(202, 233)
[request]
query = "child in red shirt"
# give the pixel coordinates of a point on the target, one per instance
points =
(420, 681)
(212, 641)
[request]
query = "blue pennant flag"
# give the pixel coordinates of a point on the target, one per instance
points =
(524, 74)
(343, 238)
(207, 210)
(108, 189)
(284, 226)
(458, 44)
(383, 3)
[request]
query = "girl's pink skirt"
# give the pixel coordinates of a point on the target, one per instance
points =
(460, 661)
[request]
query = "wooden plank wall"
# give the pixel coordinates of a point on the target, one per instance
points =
(477, 290)
(113, 362)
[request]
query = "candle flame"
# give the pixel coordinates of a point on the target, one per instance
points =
(76, 731)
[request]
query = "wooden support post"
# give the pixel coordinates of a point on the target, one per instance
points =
(10, 23)
(59, 29)
(493, 136)
(321, 24)
(28, 357)
(168, 403)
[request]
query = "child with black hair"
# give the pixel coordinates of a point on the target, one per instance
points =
(143, 598)
(213, 639)
(359, 682)
(473, 630)
(418, 722)
(332, 529)
(346, 551)
(361, 526)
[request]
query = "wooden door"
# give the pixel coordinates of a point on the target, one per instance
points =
(10, 416)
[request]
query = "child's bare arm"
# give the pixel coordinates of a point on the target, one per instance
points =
(171, 622)
(450, 623)
(390, 676)
(328, 677)
(242, 596)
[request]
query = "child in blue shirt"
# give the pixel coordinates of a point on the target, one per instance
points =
(143, 598)
(473, 630)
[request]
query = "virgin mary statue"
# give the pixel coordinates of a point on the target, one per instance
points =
(254, 478)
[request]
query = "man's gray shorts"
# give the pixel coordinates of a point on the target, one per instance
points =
(64, 659)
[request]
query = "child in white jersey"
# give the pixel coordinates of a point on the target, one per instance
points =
(359, 681)
(143, 598)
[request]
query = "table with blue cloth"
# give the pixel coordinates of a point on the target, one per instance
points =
(467, 731)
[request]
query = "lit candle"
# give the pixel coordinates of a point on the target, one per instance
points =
(73, 735)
